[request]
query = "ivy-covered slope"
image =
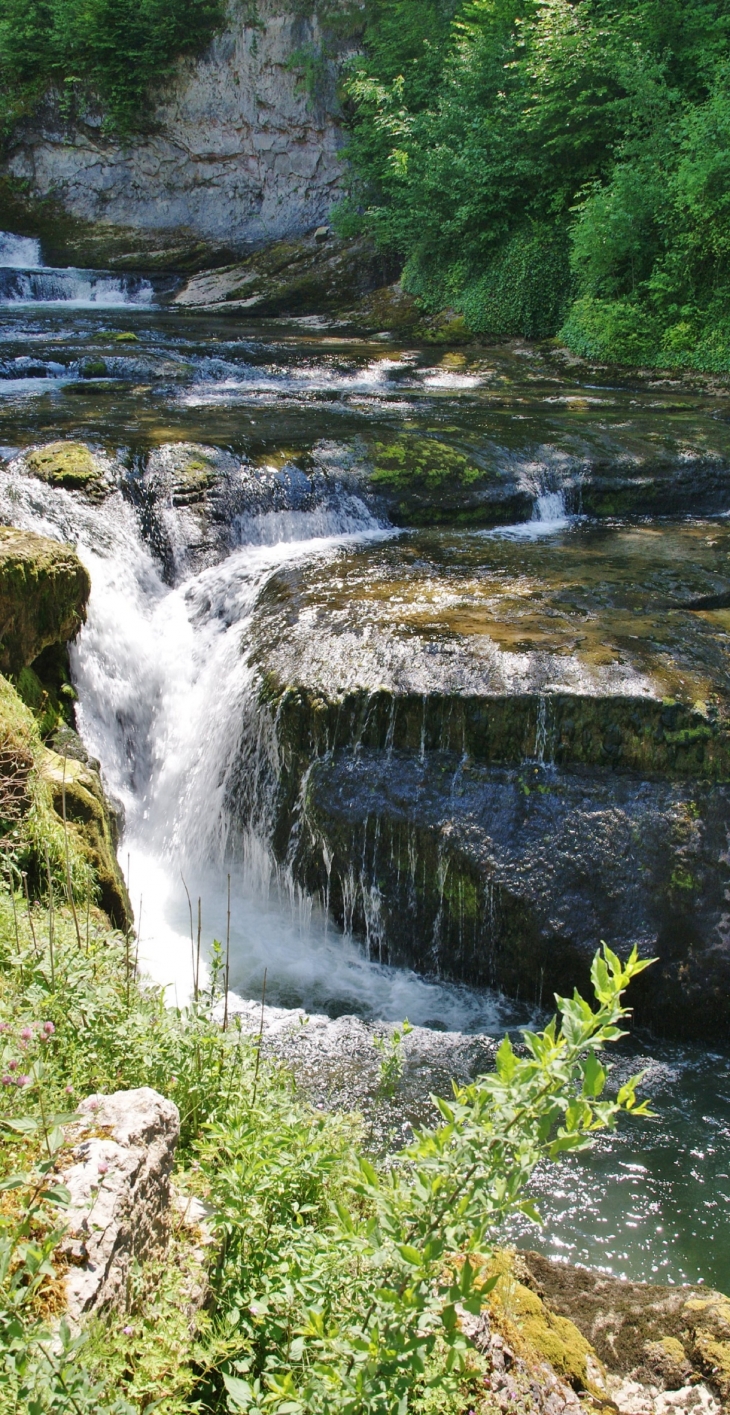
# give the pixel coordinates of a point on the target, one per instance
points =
(553, 167)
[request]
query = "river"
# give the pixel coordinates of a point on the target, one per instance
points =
(166, 696)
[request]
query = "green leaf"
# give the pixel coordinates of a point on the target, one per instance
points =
(239, 1392)
(410, 1255)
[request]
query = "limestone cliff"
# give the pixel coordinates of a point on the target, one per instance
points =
(235, 154)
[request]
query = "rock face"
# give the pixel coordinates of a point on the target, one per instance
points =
(119, 1182)
(485, 771)
(310, 276)
(236, 153)
(44, 590)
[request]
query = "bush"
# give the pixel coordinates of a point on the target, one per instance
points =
(336, 1282)
(109, 51)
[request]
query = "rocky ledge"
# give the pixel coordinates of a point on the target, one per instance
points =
(488, 754)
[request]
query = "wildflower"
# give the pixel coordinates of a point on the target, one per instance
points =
(102, 1167)
(48, 1028)
(12, 1065)
(128, 1331)
(69, 1089)
(23, 1081)
(7, 1080)
(26, 1034)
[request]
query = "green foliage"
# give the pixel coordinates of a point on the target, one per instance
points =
(339, 1283)
(390, 1047)
(526, 154)
(335, 1284)
(110, 51)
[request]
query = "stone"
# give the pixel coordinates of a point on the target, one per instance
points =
(71, 465)
(44, 590)
(119, 1181)
(313, 275)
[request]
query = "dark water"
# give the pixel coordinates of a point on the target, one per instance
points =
(652, 1202)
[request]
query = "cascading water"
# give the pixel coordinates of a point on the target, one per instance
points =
(25, 280)
(167, 703)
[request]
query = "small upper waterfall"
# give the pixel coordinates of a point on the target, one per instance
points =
(25, 280)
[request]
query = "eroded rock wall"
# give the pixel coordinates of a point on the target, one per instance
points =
(237, 152)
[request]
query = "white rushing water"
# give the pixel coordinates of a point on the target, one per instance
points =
(25, 280)
(167, 704)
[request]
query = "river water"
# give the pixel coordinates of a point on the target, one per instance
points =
(165, 695)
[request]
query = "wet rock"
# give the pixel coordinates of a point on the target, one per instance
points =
(309, 276)
(119, 1181)
(479, 772)
(44, 590)
(71, 465)
(199, 503)
(78, 796)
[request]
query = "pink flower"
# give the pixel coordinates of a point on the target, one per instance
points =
(7, 1080)
(23, 1081)
(69, 1089)
(103, 1167)
(26, 1034)
(128, 1331)
(12, 1065)
(48, 1028)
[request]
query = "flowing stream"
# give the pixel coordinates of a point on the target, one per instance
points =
(166, 690)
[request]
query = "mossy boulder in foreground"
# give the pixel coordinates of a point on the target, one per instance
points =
(44, 589)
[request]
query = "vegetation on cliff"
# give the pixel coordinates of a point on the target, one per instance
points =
(110, 52)
(560, 166)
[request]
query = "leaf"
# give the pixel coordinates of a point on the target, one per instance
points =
(239, 1391)
(505, 1060)
(410, 1255)
(369, 1173)
(594, 1076)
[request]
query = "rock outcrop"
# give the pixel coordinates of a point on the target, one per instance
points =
(236, 152)
(119, 1182)
(44, 590)
(482, 771)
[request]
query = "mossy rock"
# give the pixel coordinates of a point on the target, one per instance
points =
(44, 591)
(542, 1334)
(673, 1334)
(420, 460)
(76, 788)
(33, 833)
(71, 465)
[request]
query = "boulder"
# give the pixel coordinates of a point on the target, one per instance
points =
(119, 1182)
(309, 276)
(71, 465)
(44, 589)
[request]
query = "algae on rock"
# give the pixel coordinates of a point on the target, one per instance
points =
(44, 589)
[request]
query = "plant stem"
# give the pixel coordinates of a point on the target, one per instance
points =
(228, 958)
(50, 919)
(258, 1044)
(69, 887)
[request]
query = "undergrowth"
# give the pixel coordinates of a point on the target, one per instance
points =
(334, 1285)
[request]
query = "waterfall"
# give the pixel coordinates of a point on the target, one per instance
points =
(167, 701)
(24, 280)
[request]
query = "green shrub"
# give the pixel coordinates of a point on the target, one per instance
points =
(111, 51)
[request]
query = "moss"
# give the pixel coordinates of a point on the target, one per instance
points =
(419, 459)
(541, 1334)
(126, 337)
(44, 590)
(71, 465)
(32, 831)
